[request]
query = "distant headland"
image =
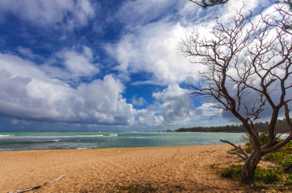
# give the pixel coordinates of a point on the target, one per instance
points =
(281, 125)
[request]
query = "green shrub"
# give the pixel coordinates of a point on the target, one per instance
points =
(289, 179)
(268, 176)
(263, 138)
(287, 148)
(289, 145)
(281, 173)
(276, 157)
(232, 172)
(286, 163)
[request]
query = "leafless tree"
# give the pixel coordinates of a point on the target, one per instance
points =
(248, 67)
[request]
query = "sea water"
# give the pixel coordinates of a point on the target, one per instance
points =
(86, 140)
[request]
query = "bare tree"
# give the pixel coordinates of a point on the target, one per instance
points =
(248, 67)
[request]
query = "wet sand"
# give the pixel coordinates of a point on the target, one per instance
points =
(157, 169)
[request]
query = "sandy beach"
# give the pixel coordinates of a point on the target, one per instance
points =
(162, 169)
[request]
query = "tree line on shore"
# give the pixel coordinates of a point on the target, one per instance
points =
(282, 127)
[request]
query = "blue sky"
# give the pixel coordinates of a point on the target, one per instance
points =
(107, 64)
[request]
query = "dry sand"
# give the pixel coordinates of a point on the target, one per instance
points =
(135, 170)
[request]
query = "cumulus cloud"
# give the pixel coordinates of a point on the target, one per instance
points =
(44, 12)
(150, 43)
(80, 64)
(174, 103)
(29, 92)
(154, 48)
(72, 64)
(174, 106)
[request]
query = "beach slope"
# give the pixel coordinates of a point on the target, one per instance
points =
(160, 169)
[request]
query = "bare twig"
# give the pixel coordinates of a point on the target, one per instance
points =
(237, 150)
(37, 187)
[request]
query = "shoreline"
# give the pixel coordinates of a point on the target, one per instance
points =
(82, 140)
(112, 148)
(176, 169)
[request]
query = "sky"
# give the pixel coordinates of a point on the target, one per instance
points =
(104, 65)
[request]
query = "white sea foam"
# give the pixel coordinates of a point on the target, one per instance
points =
(56, 140)
(4, 136)
(82, 148)
(98, 135)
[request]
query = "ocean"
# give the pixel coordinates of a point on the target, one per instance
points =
(10, 141)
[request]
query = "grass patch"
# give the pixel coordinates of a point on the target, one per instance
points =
(289, 179)
(277, 175)
(138, 188)
(231, 172)
(276, 157)
(282, 158)
(262, 175)
(287, 163)
(269, 176)
(147, 188)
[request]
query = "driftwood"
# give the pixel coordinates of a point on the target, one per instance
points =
(237, 150)
(39, 186)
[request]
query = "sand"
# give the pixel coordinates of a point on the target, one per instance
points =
(159, 169)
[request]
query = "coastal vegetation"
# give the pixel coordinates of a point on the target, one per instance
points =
(281, 127)
(274, 171)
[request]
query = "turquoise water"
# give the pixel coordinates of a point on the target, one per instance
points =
(86, 140)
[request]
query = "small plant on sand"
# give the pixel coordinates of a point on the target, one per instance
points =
(282, 158)
(276, 157)
(287, 164)
(268, 176)
(278, 174)
(262, 175)
(289, 179)
(232, 172)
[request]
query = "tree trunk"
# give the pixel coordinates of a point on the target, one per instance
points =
(248, 169)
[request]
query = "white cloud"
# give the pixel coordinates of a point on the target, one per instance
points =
(136, 13)
(49, 12)
(154, 48)
(80, 64)
(170, 92)
(151, 44)
(246, 7)
(28, 92)
(72, 64)
(173, 106)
